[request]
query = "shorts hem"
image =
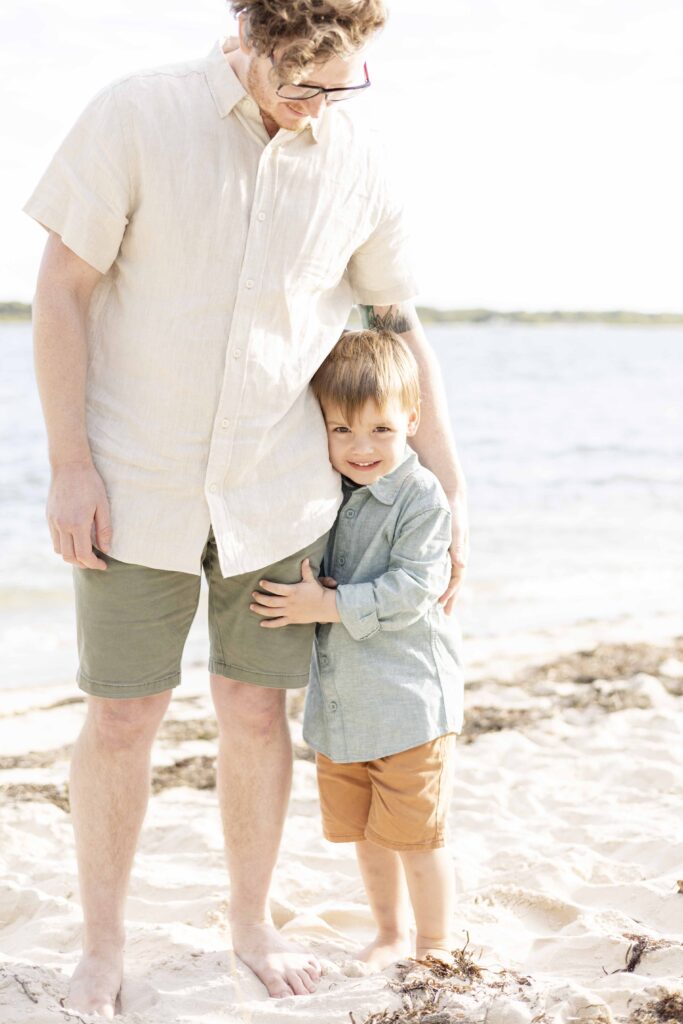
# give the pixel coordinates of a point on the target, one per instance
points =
(344, 839)
(126, 690)
(274, 680)
(429, 844)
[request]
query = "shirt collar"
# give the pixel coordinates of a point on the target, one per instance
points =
(226, 88)
(387, 487)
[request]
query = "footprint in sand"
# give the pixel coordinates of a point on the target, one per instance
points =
(538, 910)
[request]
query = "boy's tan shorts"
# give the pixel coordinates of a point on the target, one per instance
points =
(399, 801)
(133, 622)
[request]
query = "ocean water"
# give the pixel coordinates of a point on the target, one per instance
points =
(572, 441)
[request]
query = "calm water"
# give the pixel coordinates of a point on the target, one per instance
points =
(572, 439)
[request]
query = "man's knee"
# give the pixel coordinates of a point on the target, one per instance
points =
(260, 710)
(126, 723)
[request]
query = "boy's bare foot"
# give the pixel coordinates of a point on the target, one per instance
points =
(385, 950)
(284, 969)
(96, 982)
(439, 952)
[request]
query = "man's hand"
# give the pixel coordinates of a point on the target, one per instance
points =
(290, 603)
(459, 552)
(78, 513)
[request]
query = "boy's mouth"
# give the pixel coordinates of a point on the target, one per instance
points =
(365, 466)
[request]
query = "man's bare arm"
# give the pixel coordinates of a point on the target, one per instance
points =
(433, 442)
(77, 503)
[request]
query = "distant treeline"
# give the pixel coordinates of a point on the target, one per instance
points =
(429, 315)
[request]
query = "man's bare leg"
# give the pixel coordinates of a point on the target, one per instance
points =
(109, 788)
(385, 888)
(254, 779)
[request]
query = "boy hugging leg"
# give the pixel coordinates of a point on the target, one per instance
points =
(386, 691)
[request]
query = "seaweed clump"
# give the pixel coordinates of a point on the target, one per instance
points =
(668, 1009)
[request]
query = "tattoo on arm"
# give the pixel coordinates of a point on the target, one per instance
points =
(394, 319)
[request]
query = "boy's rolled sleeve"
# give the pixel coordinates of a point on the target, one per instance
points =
(418, 573)
(85, 194)
(357, 609)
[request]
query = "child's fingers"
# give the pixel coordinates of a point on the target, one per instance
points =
(268, 613)
(274, 623)
(268, 600)
(275, 588)
(306, 573)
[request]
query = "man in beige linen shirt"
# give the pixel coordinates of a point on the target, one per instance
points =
(210, 226)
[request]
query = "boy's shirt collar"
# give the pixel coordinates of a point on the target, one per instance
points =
(387, 487)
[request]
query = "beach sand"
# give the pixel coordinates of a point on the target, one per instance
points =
(567, 839)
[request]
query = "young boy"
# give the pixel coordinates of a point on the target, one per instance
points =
(385, 695)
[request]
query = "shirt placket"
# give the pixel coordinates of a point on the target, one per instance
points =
(234, 390)
(341, 554)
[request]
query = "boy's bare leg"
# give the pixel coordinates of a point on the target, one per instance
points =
(431, 885)
(254, 778)
(385, 887)
(109, 788)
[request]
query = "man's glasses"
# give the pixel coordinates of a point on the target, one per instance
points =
(307, 92)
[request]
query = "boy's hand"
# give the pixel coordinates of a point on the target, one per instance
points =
(287, 604)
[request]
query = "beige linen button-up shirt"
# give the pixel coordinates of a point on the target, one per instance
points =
(230, 263)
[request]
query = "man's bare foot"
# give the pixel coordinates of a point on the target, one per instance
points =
(96, 983)
(284, 969)
(385, 950)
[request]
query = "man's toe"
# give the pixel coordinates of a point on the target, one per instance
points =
(296, 983)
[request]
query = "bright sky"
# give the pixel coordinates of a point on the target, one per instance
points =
(537, 142)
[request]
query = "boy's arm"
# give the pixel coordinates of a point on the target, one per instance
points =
(434, 441)
(415, 578)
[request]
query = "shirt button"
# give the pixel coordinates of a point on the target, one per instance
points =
(333, 705)
(349, 513)
(237, 353)
(324, 659)
(225, 424)
(213, 488)
(261, 215)
(341, 560)
(249, 283)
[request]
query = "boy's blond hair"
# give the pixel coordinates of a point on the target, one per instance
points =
(364, 365)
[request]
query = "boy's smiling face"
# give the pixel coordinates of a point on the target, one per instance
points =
(373, 443)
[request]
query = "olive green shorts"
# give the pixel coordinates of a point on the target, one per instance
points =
(133, 622)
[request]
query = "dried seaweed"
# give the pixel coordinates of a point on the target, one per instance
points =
(195, 772)
(668, 1009)
(29, 791)
(605, 661)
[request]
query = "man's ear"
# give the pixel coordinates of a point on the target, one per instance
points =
(413, 422)
(245, 45)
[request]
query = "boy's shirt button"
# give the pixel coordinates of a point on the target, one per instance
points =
(341, 560)
(333, 705)
(349, 513)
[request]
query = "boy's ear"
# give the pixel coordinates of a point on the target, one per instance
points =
(413, 422)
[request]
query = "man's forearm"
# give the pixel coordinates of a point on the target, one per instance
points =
(61, 351)
(433, 442)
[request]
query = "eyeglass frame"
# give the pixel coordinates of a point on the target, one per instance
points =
(319, 88)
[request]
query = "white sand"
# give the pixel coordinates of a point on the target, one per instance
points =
(567, 843)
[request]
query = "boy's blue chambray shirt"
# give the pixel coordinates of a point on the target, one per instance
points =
(388, 677)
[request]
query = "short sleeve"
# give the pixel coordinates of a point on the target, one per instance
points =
(85, 194)
(380, 270)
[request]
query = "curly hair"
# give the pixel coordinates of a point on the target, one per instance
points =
(314, 30)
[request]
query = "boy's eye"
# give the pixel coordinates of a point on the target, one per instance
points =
(340, 430)
(383, 429)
